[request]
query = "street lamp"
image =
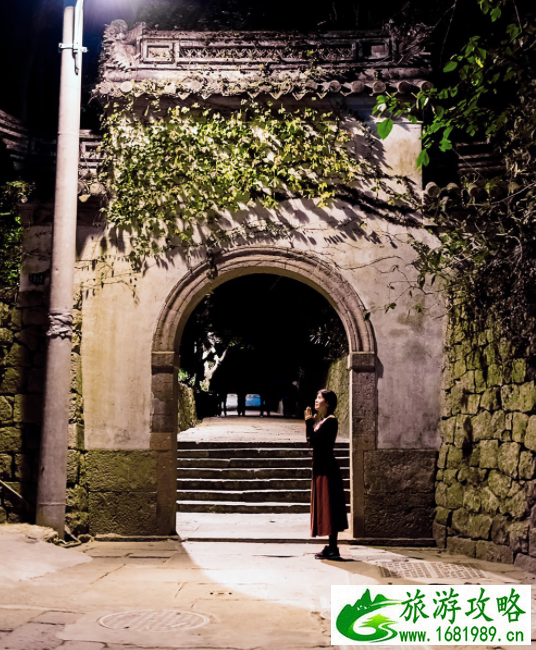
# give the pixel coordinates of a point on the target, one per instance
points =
(52, 477)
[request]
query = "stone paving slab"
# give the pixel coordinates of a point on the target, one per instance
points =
(256, 595)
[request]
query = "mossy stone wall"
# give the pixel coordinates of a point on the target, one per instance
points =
(23, 320)
(338, 380)
(485, 483)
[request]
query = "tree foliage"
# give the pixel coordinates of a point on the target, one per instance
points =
(486, 227)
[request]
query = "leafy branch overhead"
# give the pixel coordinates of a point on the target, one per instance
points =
(486, 224)
(174, 170)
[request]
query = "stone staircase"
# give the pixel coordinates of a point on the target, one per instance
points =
(249, 477)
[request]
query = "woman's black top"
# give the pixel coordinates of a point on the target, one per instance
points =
(323, 442)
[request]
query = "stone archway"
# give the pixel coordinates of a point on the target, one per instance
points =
(304, 267)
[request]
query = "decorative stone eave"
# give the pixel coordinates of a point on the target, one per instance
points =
(174, 63)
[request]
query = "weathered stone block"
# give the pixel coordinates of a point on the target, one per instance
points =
(519, 427)
(3, 516)
(519, 371)
(77, 498)
(441, 494)
(491, 552)
(527, 465)
(6, 336)
(471, 499)
(482, 426)
(525, 562)
(508, 458)
(473, 475)
(455, 457)
(480, 381)
(489, 502)
(76, 408)
(446, 428)
(519, 397)
(414, 515)
(462, 431)
(6, 410)
(469, 525)
(518, 536)
(399, 470)
(442, 457)
(471, 405)
(442, 515)
(449, 476)
(6, 467)
(121, 471)
(517, 506)
(10, 439)
(530, 433)
(500, 530)
(76, 373)
(127, 513)
(495, 376)
(491, 399)
(439, 533)
(14, 381)
(78, 522)
(460, 546)
(18, 357)
(489, 450)
(467, 382)
(458, 369)
(474, 456)
(73, 466)
(499, 484)
(455, 496)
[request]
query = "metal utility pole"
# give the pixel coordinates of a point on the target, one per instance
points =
(52, 476)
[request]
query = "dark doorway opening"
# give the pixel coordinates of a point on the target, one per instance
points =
(265, 336)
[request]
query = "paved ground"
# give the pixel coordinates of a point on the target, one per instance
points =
(251, 428)
(244, 596)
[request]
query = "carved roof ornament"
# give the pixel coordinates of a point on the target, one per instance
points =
(175, 63)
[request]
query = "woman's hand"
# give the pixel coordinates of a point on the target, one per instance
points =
(308, 413)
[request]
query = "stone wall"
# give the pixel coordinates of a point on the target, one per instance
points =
(338, 380)
(23, 320)
(22, 360)
(187, 410)
(485, 489)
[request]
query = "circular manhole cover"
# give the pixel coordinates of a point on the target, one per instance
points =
(154, 620)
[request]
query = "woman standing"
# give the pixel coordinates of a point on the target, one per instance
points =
(328, 508)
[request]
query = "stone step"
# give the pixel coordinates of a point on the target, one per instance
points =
(186, 484)
(234, 507)
(223, 474)
(223, 463)
(262, 496)
(249, 452)
(190, 444)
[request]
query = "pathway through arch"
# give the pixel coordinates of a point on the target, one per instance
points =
(247, 479)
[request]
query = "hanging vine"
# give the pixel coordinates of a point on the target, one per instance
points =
(172, 172)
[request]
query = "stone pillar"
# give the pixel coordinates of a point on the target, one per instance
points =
(164, 428)
(363, 430)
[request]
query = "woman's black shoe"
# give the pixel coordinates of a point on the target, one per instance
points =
(328, 554)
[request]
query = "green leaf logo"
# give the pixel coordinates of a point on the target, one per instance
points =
(351, 614)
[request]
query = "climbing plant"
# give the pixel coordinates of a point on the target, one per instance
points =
(486, 226)
(173, 173)
(11, 195)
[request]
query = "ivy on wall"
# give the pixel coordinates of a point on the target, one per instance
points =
(171, 171)
(11, 195)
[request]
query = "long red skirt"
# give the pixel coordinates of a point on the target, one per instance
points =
(328, 506)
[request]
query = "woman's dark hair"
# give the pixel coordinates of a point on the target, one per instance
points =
(331, 399)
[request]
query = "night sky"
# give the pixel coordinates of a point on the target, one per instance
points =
(30, 31)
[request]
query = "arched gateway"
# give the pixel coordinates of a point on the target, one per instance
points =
(316, 273)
